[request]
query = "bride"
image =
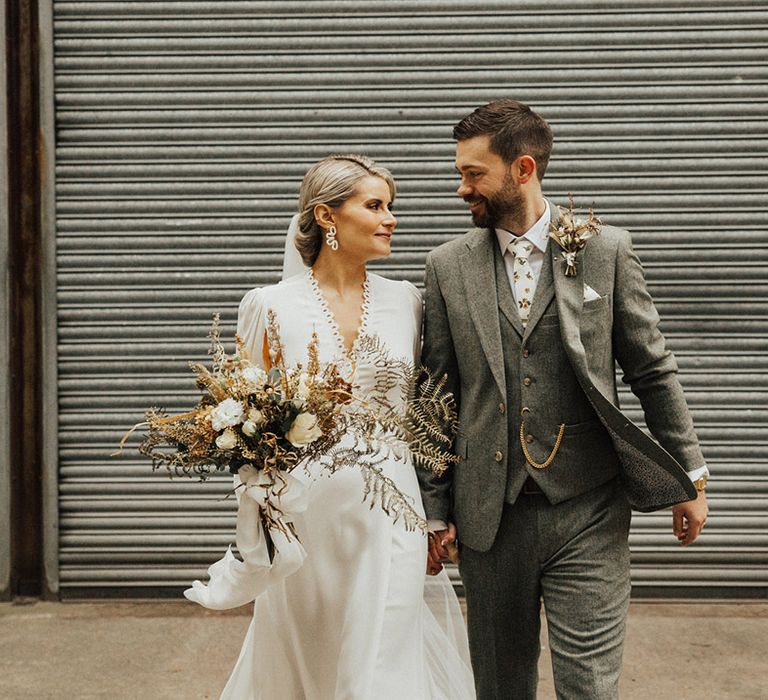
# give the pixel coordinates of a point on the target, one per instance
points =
(348, 613)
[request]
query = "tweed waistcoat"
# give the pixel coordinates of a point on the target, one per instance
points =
(540, 378)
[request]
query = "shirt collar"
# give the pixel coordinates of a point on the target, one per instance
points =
(537, 234)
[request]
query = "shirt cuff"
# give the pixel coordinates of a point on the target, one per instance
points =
(697, 473)
(435, 525)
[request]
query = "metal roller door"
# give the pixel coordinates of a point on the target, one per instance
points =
(183, 129)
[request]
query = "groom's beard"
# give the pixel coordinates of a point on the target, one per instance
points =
(506, 203)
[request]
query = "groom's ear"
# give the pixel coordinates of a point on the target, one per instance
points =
(524, 169)
(324, 215)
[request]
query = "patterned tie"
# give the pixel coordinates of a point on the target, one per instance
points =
(525, 283)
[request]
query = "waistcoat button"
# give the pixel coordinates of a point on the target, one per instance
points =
(526, 352)
(498, 456)
(502, 408)
(527, 381)
(529, 439)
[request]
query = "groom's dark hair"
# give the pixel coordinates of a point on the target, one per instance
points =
(515, 130)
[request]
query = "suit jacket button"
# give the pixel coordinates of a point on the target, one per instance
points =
(498, 456)
(526, 352)
(527, 381)
(529, 439)
(502, 408)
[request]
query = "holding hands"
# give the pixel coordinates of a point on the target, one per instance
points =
(442, 546)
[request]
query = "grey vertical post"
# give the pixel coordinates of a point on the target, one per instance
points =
(50, 412)
(5, 449)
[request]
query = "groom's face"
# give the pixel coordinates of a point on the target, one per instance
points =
(487, 184)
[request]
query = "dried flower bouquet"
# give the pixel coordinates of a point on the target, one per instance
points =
(274, 420)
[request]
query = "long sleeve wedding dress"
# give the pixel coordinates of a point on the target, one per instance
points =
(349, 613)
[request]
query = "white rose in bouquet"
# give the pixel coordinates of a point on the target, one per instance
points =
(254, 377)
(304, 430)
(227, 440)
(256, 417)
(250, 428)
(228, 413)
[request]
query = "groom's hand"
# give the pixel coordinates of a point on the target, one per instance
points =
(442, 546)
(688, 518)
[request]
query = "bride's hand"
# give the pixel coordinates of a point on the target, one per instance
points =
(433, 567)
(442, 545)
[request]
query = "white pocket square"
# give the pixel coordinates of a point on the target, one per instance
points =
(590, 294)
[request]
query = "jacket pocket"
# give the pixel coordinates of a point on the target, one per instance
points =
(597, 304)
(583, 427)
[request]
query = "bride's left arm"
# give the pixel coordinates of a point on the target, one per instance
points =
(416, 309)
(252, 324)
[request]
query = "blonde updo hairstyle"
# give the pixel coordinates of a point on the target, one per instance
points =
(331, 181)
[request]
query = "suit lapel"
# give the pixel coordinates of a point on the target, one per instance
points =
(477, 269)
(545, 288)
(569, 295)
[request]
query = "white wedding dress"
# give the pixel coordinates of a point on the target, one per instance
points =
(349, 612)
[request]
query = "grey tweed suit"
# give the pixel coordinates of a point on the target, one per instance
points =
(567, 544)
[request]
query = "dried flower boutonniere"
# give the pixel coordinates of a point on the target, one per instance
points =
(572, 233)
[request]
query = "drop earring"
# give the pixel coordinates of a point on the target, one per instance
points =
(330, 238)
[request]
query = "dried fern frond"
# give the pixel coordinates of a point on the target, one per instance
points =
(379, 489)
(429, 421)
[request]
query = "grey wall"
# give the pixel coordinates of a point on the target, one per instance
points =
(183, 130)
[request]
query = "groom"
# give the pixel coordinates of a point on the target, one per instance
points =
(549, 466)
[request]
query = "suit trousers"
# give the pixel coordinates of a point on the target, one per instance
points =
(575, 556)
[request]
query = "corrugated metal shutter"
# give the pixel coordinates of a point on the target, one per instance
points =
(183, 129)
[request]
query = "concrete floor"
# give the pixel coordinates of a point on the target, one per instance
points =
(159, 650)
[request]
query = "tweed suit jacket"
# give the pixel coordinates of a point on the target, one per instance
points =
(462, 339)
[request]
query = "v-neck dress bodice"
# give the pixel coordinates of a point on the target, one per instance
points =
(362, 328)
(391, 311)
(359, 620)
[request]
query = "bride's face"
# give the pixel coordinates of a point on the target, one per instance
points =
(364, 223)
